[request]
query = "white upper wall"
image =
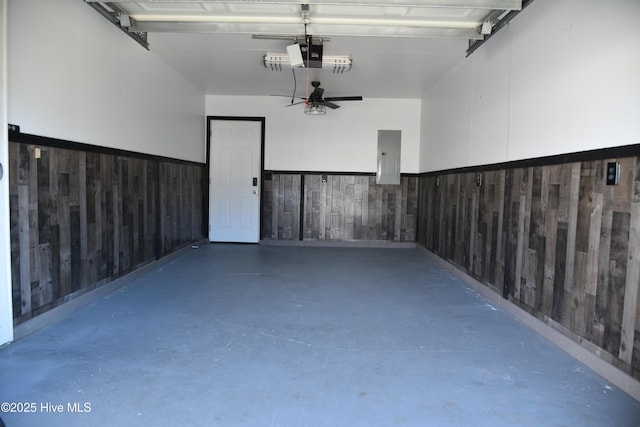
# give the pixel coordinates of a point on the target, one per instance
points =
(74, 76)
(343, 140)
(561, 78)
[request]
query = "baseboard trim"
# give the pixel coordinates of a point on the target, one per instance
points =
(378, 244)
(617, 377)
(30, 326)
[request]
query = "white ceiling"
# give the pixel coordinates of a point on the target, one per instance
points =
(231, 64)
(399, 48)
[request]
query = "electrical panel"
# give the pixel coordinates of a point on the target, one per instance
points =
(389, 144)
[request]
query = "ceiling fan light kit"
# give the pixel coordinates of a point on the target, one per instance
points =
(315, 109)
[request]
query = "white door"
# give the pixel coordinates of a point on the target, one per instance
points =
(234, 194)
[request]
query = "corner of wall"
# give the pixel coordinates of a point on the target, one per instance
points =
(6, 320)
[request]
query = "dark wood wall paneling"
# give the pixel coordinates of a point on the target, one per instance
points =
(81, 218)
(180, 205)
(573, 244)
(339, 207)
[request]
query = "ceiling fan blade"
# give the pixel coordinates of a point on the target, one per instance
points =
(344, 98)
(330, 104)
(316, 95)
(296, 103)
(287, 96)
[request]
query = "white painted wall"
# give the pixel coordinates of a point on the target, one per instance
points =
(343, 140)
(561, 78)
(6, 316)
(74, 76)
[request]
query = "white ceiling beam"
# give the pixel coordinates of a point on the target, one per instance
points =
(466, 4)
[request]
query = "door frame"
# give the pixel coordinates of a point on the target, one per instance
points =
(207, 181)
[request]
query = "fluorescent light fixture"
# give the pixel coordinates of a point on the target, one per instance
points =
(315, 109)
(338, 64)
(239, 19)
(245, 19)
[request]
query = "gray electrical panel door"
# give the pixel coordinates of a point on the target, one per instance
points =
(388, 171)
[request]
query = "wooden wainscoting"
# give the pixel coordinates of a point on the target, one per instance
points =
(339, 207)
(566, 245)
(80, 219)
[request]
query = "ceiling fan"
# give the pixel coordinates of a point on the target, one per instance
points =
(316, 104)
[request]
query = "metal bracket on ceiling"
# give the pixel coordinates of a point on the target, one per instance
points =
(498, 19)
(120, 19)
(293, 38)
(305, 14)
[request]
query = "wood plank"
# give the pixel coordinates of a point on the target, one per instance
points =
(520, 246)
(473, 224)
(499, 246)
(375, 210)
(84, 223)
(270, 211)
(43, 294)
(25, 249)
(14, 226)
(481, 228)
(106, 224)
(602, 289)
(558, 309)
(551, 226)
(632, 281)
(576, 313)
(635, 201)
(452, 214)
(311, 208)
(527, 282)
(493, 260)
(572, 223)
(490, 220)
(116, 216)
(617, 280)
(322, 213)
(347, 189)
(34, 224)
(333, 225)
(398, 213)
(366, 185)
(593, 254)
(74, 226)
(457, 215)
(358, 194)
(63, 244)
(278, 202)
(584, 212)
(535, 275)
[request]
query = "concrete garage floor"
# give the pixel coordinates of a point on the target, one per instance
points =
(249, 335)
